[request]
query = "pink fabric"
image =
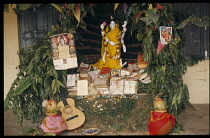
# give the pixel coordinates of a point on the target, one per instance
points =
(54, 124)
(160, 47)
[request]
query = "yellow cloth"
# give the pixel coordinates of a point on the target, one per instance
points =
(112, 50)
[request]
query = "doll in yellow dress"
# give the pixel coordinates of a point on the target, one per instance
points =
(112, 41)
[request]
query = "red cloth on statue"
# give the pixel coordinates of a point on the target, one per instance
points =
(158, 120)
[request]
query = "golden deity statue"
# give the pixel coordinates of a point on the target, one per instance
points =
(112, 42)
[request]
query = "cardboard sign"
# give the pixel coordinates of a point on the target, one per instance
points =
(63, 51)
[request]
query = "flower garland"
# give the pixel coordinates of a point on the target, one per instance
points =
(151, 119)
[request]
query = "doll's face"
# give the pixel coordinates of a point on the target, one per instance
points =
(112, 24)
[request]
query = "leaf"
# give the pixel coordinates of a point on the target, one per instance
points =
(25, 82)
(115, 6)
(58, 7)
(202, 23)
(152, 16)
(129, 12)
(34, 85)
(147, 20)
(82, 7)
(40, 80)
(174, 99)
(71, 6)
(179, 98)
(61, 84)
(46, 92)
(83, 25)
(23, 6)
(92, 12)
(77, 13)
(54, 84)
(176, 37)
(186, 21)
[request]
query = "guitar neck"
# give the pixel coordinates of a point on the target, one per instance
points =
(65, 103)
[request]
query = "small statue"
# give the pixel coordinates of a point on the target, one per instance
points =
(51, 106)
(112, 42)
(160, 122)
(53, 123)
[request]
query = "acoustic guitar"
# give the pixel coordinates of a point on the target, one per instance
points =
(73, 117)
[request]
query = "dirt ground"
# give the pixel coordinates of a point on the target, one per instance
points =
(194, 123)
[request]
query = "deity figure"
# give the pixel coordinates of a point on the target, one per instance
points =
(112, 42)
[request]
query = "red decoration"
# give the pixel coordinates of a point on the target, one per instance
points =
(137, 15)
(78, 7)
(66, 5)
(91, 4)
(154, 28)
(160, 123)
(69, 13)
(160, 47)
(159, 6)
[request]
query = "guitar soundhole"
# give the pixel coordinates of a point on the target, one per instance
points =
(67, 109)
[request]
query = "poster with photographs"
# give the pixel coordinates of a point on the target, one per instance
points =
(165, 34)
(64, 51)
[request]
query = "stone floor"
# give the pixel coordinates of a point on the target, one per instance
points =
(195, 122)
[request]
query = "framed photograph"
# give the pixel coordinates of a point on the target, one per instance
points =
(84, 67)
(63, 51)
(115, 73)
(165, 34)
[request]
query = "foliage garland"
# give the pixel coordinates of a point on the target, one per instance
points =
(36, 82)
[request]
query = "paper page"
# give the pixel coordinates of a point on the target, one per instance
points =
(82, 87)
